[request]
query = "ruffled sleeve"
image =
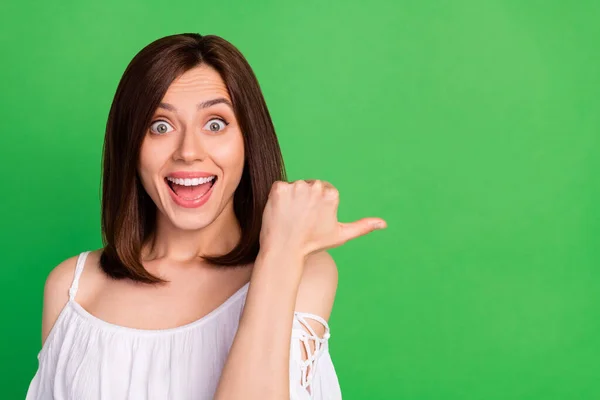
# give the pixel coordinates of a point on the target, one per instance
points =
(312, 374)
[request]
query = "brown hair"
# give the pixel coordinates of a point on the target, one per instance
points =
(128, 212)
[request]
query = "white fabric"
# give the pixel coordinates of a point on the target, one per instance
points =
(87, 358)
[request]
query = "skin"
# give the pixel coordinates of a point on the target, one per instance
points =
(299, 224)
(196, 140)
(293, 271)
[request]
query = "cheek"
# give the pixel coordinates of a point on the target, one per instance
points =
(229, 156)
(149, 164)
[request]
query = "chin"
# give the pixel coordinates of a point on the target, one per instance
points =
(190, 225)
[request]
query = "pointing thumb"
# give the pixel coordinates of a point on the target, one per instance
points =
(351, 230)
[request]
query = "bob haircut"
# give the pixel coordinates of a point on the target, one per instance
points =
(128, 214)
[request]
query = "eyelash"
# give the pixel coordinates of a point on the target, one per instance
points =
(167, 122)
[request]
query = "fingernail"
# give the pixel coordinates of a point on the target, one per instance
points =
(379, 225)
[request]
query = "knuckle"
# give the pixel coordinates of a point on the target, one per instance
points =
(301, 186)
(332, 194)
(278, 187)
(318, 187)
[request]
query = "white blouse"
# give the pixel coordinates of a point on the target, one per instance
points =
(87, 358)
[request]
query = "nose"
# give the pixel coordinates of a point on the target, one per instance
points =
(190, 148)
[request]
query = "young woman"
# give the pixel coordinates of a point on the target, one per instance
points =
(213, 280)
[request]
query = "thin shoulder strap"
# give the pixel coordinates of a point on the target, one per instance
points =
(78, 269)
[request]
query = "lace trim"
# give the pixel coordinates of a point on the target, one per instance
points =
(306, 336)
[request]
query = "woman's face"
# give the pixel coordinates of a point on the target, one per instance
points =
(192, 155)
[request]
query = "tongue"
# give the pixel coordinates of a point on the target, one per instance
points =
(191, 192)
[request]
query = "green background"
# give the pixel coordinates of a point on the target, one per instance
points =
(470, 126)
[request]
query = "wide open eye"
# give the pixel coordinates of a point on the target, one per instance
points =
(160, 127)
(216, 125)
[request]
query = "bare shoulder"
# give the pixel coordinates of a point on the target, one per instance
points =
(318, 286)
(56, 292)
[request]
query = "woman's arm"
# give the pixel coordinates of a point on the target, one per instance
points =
(299, 221)
(56, 293)
(258, 362)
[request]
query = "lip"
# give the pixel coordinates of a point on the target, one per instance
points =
(189, 174)
(189, 203)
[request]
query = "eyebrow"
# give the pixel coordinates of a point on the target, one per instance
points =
(199, 106)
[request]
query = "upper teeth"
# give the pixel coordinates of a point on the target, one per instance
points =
(190, 181)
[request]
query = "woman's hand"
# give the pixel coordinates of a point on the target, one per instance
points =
(302, 216)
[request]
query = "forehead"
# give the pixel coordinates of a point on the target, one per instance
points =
(199, 82)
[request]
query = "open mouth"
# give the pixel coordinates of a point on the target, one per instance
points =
(191, 189)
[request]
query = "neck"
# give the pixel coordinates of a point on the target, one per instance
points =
(185, 245)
